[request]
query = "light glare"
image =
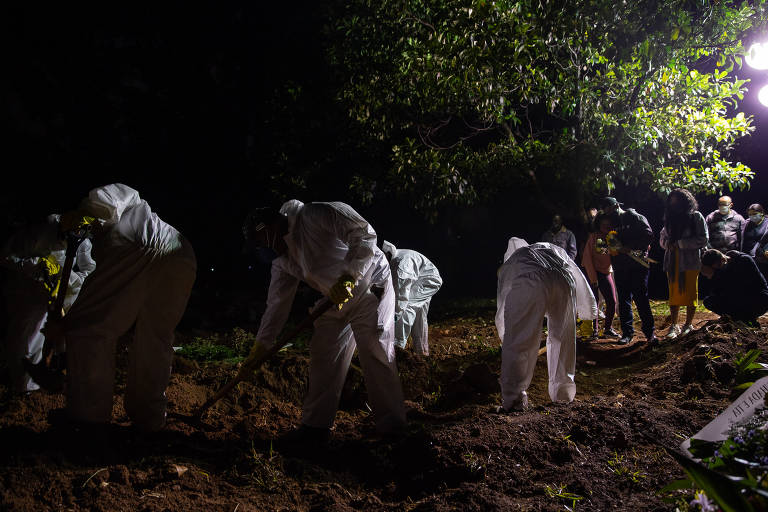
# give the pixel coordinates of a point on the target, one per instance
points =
(763, 95)
(757, 57)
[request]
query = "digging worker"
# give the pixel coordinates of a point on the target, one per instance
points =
(738, 288)
(35, 255)
(416, 280)
(538, 281)
(333, 249)
(143, 279)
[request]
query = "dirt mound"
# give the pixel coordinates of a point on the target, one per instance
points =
(601, 452)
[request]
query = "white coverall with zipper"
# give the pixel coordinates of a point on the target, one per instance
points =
(143, 278)
(326, 241)
(538, 281)
(416, 280)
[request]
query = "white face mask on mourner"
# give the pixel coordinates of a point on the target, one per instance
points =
(756, 218)
(724, 209)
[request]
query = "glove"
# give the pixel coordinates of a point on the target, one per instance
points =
(50, 272)
(258, 351)
(341, 292)
(75, 220)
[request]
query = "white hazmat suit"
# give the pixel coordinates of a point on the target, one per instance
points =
(416, 280)
(143, 279)
(27, 299)
(538, 281)
(326, 241)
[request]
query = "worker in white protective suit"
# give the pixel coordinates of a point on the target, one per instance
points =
(538, 281)
(143, 278)
(416, 280)
(333, 249)
(35, 256)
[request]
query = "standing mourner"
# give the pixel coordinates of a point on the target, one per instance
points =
(725, 226)
(416, 280)
(754, 237)
(683, 237)
(597, 265)
(538, 281)
(35, 256)
(333, 249)
(634, 236)
(738, 289)
(562, 237)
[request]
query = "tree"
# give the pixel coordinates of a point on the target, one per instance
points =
(568, 97)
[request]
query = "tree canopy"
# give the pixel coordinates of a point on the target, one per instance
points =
(462, 99)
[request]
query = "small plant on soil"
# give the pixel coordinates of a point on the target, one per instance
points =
(265, 472)
(204, 349)
(621, 467)
(559, 491)
(748, 370)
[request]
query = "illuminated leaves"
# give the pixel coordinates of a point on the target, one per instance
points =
(475, 96)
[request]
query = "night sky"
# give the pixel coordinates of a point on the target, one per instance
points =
(168, 99)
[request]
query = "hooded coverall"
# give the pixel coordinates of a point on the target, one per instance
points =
(144, 277)
(538, 281)
(26, 297)
(416, 280)
(326, 241)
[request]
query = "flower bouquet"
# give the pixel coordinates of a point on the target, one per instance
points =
(611, 245)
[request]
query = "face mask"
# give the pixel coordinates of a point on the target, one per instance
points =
(724, 210)
(756, 218)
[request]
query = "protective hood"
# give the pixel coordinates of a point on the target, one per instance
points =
(513, 245)
(109, 202)
(291, 207)
(389, 248)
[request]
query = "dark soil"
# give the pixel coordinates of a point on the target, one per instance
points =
(606, 449)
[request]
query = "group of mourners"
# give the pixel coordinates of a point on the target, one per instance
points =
(136, 271)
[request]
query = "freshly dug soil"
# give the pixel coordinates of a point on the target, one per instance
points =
(604, 451)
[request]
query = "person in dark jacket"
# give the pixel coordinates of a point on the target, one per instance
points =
(738, 288)
(561, 236)
(754, 238)
(635, 236)
(725, 226)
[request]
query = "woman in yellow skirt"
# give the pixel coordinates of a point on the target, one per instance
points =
(683, 237)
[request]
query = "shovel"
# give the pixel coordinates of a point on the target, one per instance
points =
(48, 373)
(247, 369)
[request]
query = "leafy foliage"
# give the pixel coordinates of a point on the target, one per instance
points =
(468, 98)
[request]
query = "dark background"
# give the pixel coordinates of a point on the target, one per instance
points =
(172, 99)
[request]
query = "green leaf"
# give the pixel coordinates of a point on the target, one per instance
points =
(725, 492)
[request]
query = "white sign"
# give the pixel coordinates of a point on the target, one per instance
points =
(741, 409)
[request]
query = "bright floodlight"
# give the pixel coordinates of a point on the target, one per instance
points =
(763, 95)
(757, 57)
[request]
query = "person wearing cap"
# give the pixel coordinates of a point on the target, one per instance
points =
(333, 249)
(738, 290)
(725, 226)
(560, 236)
(634, 235)
(416, 280)
(535, 282)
